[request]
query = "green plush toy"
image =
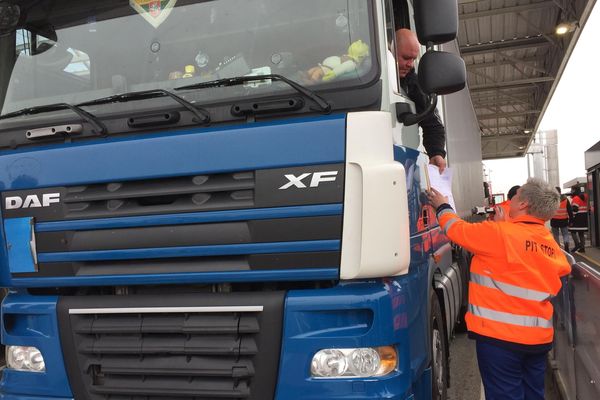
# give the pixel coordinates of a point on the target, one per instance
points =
(335, 66)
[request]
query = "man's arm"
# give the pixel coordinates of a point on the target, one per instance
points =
(478, 238)
(434, 133)
(570, 212)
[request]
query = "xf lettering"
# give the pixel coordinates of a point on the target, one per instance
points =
(316, 179)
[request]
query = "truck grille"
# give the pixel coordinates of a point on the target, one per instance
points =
(203, 348)
(180, 194)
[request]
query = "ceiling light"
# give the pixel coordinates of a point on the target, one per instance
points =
(566, 27)
(526, 131)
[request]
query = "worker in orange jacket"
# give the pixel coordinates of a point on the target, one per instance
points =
(561, 220)
(580, 218)
(515, 271)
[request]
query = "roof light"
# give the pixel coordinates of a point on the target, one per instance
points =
(566, 27)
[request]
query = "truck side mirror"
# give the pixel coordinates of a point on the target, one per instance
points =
(436, 21)
(439, 73)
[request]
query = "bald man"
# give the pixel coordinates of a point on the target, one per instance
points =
(434, 133)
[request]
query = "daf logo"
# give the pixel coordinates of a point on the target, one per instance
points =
(31, 201)
(315, 180)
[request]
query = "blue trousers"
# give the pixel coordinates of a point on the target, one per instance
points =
(509, 374)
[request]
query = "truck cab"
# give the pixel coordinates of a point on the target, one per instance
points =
(221, 199)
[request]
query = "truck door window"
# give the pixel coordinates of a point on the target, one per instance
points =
(396, 17)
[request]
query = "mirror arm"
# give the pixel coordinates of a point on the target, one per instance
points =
(408, 118)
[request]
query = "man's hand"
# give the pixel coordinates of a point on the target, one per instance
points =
(499, 214)
(439, 162)
(435, 198)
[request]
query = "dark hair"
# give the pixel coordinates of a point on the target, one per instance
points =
(513, 191)
(557, 189)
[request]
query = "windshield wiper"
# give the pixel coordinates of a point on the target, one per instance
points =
(201, 114)
(98, 126)
(321, 102)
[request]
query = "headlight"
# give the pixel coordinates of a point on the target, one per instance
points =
(24, 358)
(364, 362)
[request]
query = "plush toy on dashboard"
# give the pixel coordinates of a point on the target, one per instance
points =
(335, 66)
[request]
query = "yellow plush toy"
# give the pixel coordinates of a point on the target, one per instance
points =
(335, 66)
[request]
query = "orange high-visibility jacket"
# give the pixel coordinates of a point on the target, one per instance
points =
(561, 212)
(515, 271)
(580, 203)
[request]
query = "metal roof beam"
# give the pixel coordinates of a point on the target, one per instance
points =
(507, 93)
(507, 114)
(522, 97)
(511, 84)
(514, 60)
(527, 61)
(497, 156)
(507, 124)
(537, 29)
(506, 45)
(507, 10)
(501, 104)
(512, 129)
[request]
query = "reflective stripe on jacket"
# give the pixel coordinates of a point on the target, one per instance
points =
(580, 203)
(515, 271)
(561, 212)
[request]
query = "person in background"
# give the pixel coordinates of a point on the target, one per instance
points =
(561, 221)
(434, 133)
(515, 271)
(505, 205)
(579, 226)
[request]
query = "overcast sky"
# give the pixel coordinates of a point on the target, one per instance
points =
(574, 111)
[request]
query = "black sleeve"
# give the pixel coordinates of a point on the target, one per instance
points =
(570, 211)
(434, 133)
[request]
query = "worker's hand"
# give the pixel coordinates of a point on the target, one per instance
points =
(499, 214)
(439, 162)
(435, 198)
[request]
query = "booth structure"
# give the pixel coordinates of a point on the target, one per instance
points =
(592, 165)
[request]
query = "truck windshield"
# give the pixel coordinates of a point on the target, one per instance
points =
(75, 52)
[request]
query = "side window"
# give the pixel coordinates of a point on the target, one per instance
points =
(48, 53)
(397, 16)
(44, 58)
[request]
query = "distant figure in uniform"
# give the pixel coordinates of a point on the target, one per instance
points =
(434, 133)
(579, 226)
(515, 271)
(561, 221)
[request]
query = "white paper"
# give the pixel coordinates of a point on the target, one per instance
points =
(441, 182)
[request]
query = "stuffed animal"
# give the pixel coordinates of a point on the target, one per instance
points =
(335, 66)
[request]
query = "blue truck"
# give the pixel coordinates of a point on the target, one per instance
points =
(221, 200)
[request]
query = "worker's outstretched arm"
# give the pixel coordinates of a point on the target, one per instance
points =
(481, 238)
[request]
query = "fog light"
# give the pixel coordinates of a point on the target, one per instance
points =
(364, 362)
(24, 358)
